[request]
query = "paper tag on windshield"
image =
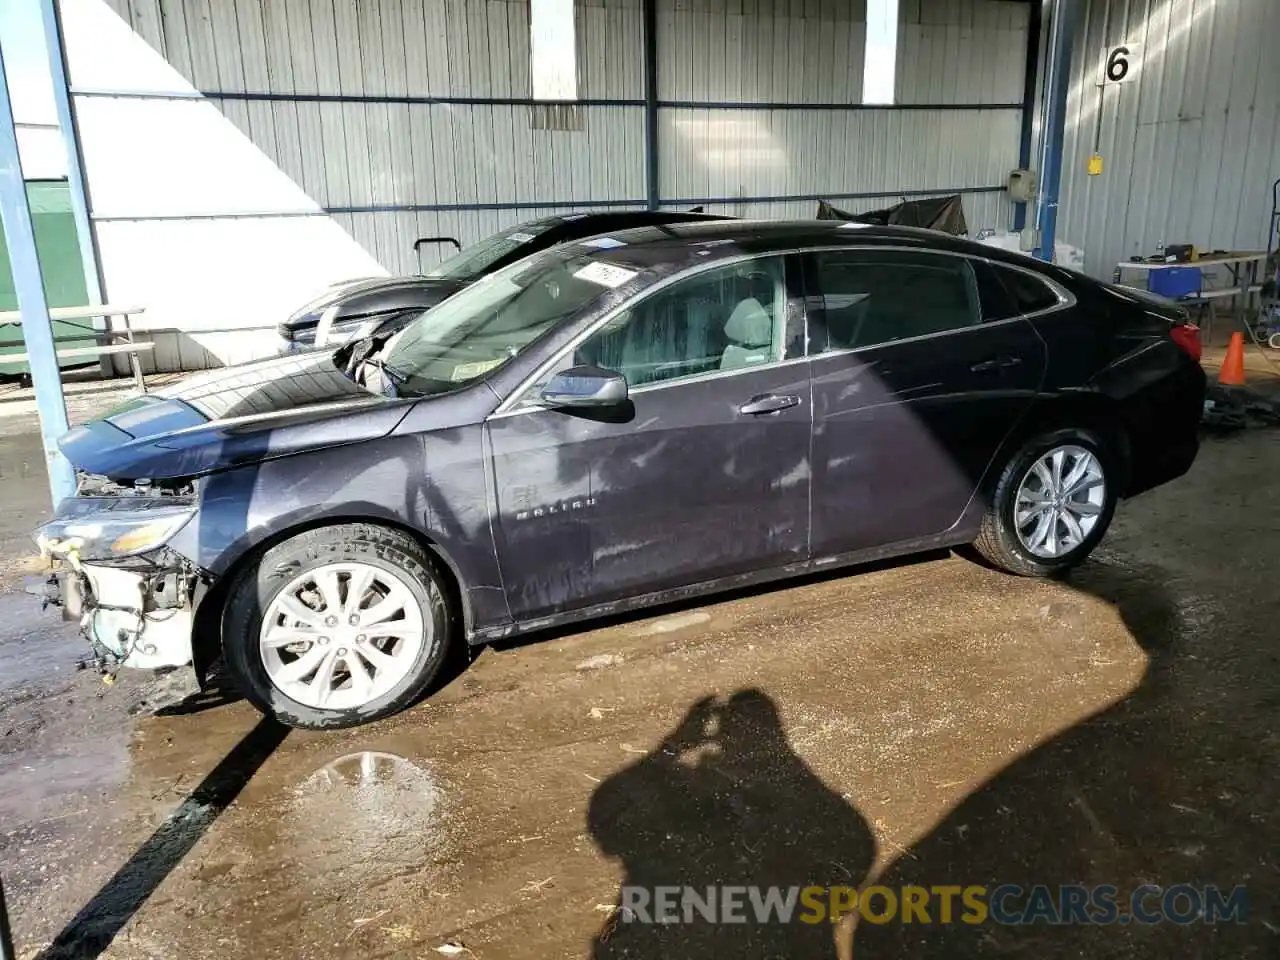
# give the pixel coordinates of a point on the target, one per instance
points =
(605, 274)
(465, 371)
(520, 237)
(603, 243)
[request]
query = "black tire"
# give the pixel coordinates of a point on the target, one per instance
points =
(998, 542)
(254, 589)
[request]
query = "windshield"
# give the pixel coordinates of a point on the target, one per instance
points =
(472, 262)
(488, 323)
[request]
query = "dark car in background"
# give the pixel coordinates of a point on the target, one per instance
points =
(382, 305)
(604, 426)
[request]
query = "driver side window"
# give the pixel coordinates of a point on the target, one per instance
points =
(728, 318)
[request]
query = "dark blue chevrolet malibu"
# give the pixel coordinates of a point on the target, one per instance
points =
(624, 420)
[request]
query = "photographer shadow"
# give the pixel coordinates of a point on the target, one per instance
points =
(1164, 788)
(1168, 786)
(724, 802)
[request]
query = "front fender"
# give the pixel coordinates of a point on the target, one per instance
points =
(432, 487)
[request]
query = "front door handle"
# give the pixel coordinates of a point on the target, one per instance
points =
(996, 364)
(769, 403)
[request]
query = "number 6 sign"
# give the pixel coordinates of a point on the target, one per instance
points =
(1120, 63)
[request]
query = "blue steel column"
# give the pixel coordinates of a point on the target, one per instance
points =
(1031, 77)
(1062, 36)
(71, 146)
(653, 192)
(37, 331)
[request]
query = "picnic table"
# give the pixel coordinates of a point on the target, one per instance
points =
(1243, 266)
(126, 345)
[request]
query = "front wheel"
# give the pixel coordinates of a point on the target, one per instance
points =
(1051, 505)
(337, 626)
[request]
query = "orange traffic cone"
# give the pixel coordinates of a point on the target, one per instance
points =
(1232, 373)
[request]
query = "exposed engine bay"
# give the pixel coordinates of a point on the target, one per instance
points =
(94, 485)
(131, 617)
(135, 603)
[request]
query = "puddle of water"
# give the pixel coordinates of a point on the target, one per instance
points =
(36, 782)
(54, 745)
(369, 808)
(37, 648)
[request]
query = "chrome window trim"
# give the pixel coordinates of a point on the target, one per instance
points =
(924, 336)
(511, 405)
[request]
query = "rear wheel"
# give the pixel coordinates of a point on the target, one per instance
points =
(1051, 506)
(337, 626)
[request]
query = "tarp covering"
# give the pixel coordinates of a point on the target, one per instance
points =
(934, 213)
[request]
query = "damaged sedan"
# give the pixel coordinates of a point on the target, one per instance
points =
(629, 420)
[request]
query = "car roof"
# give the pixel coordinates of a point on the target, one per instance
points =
(681, 244)
(628, 219)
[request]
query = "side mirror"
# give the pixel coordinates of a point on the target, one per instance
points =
(585, 387)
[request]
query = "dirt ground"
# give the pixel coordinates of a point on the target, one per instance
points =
(925, 722)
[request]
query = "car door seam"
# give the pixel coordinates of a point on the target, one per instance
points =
(491, 496)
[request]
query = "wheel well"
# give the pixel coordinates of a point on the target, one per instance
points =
(206, 631)
(1088, 411)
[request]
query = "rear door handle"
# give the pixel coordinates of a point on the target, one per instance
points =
(996, 364)
(769, 403)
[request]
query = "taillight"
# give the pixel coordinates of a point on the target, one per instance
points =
(1187, 336)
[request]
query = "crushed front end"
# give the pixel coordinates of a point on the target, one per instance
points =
(113, 571)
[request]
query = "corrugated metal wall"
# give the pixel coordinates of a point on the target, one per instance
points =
(1191, 147)
(241, 154)
(355, 154)
(792, 53)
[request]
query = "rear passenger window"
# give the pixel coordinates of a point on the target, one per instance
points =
(1029, 292)
(868, 297)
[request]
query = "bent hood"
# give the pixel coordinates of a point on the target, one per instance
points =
(362, 298)
(230, 417)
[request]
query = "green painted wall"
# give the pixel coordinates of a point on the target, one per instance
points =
(55, 231)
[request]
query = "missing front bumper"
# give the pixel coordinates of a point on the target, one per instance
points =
(134, 618)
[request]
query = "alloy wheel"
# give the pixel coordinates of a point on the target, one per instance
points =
(1059, 501)
(342, 635)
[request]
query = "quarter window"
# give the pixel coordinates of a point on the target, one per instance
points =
(1029, 292)
(728, 318)
(869, 297)
(997, 302)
